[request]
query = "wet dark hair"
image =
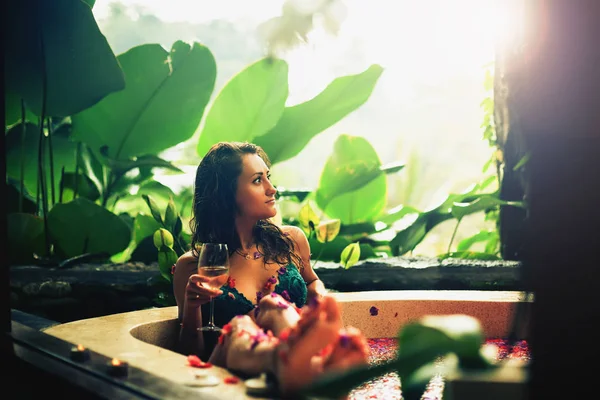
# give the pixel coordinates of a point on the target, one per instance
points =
(214, 207)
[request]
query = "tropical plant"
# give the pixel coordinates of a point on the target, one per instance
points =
(101, 141)
(353, 191)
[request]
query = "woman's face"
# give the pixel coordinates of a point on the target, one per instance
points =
(255, 196)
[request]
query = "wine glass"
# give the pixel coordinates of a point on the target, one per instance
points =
(213, 263)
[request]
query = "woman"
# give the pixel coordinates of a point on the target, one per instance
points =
(233, 202)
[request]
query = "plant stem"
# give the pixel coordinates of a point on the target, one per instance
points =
(23, 133)
(50, 153)
(453, 235)
(41, 175)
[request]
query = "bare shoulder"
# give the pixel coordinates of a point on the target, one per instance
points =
(294, 232)
(186, 258)
(185, 263)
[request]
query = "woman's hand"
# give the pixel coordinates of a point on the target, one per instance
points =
(196, 293)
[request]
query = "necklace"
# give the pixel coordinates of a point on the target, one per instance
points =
(247, 256)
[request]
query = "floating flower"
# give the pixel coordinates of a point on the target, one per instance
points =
(374, 311)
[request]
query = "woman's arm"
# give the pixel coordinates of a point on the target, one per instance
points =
(315, 286)
(190, 294)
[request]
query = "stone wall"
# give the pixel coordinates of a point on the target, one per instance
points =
(92, 290)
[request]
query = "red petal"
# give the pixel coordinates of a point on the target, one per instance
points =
(231, 379)
(284, 334)
(194, 361)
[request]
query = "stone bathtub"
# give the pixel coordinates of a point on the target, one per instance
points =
(146, 339)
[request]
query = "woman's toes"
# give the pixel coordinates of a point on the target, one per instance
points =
(350, 349)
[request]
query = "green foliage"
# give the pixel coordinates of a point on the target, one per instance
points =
(353, 190)
(301, 122)
(13, 110)
(25, 238)
(161, 105)
(57, 59)
(350, 255)
(22, 149)
(81, 227)
(352, 187)
(106, 130)
(249, 105)
(167, 257)
(171, 222)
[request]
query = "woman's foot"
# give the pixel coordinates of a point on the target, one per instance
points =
(276, 314)
(246, 347)
(303, 346)
(350, 350)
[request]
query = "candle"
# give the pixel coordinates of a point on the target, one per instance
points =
(117, 368)
(80, 353)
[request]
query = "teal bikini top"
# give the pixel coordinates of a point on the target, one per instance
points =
(230, 303)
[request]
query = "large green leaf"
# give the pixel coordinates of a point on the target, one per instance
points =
(81, 226)
(60, 41)
(131, 204)
(161, 106)
(15, 202)
(249, 105)
(300, 123)
(63, 156)
(408, 238)
(78, 186)
(343, 191)
(26, 237)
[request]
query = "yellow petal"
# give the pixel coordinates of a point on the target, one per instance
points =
(327, 231)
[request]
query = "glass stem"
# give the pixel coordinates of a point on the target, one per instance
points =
(212, 313)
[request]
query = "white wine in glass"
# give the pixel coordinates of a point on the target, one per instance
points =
(213, 263)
